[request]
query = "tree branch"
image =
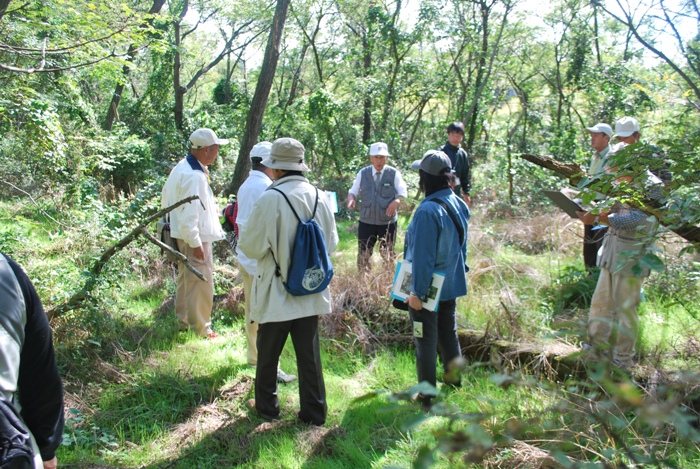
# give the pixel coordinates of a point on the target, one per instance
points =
(633, 29)
(78, 299)
(575, 173)
(10, 68)
(219, 58)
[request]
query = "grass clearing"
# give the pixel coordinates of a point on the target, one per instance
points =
(141, 394)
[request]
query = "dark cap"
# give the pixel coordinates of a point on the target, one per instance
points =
(434, 162)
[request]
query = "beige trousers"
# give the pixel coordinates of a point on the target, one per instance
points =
(194, 298)
(251, 327)
(613, 322)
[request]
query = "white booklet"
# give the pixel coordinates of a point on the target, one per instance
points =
(402, 285)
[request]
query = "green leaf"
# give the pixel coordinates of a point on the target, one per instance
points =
(425, 458)
(365, 397)
(652, 262)
(415, 420)
(637, 270)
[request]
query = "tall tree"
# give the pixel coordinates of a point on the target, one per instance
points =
(262, 91)
(661, 18)
(112, 111)
(180, 89)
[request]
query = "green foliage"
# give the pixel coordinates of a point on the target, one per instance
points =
(33, 150)
(572, 289)
(622, 424)
(118, 158)
(235, 97)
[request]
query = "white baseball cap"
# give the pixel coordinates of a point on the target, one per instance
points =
(261, 150)
(202, 138)
(626, 127)
(379, 149)
(600, 128)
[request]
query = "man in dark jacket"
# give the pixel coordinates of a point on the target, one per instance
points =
(459, 160)
(29, 375)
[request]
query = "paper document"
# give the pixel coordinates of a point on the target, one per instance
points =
(402, 285)
(333, 200)
(564, 203)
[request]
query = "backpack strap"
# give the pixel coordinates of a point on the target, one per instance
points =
(452, 216)
(313, 214)
(278, 272)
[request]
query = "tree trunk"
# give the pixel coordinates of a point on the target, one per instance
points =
(473, 115)
(3, 7)
(113, 111)
(262, 92)
(367, 102)
(177, 65)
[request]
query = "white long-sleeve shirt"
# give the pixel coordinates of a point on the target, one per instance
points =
(195, 222)
(249, 192)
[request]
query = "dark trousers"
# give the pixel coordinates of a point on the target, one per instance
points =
(439, 331)
(592, 240)
(312, 390)
(368, 235)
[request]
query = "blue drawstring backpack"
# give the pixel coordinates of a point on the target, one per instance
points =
(310, 270)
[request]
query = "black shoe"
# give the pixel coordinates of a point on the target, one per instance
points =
(318, 423)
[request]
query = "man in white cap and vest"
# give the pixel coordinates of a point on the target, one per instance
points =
(196, 226)
(250, 191)
(601, 134)
(379, 188)
(279, 314)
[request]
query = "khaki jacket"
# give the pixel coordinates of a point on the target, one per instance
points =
(630, 235)
(270, 231)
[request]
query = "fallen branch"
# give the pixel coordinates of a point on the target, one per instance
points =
(78, 299)
(178, 254)
(575, 173)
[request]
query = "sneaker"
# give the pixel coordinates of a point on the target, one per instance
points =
(283, 377)
(250, 405)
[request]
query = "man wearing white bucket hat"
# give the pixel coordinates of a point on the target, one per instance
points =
(279, 314)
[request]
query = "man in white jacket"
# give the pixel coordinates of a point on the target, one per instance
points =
(196, 226)
(250, 191)
(279, 314)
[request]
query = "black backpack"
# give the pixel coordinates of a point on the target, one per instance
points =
(310, 270)
(15, 443)
(164, 235)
